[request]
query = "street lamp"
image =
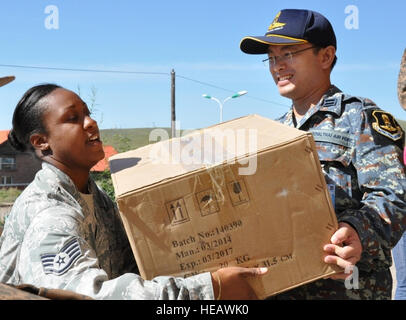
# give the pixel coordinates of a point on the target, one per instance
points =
(238, 94)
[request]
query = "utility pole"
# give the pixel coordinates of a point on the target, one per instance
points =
(173, 113)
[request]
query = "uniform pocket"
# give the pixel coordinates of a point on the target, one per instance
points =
(337, 151)
(330, 152)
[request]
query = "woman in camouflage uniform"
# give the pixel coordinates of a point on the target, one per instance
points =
(65, 233)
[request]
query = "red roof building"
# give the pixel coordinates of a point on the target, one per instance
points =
(3, 135)
(104, 164)
(17, 169)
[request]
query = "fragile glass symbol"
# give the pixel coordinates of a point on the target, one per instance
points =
(237, 189)
(238, 192)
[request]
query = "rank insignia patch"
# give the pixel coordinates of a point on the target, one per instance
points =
(386, 125)
(59, 263)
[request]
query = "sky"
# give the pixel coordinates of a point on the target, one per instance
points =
(142, 41)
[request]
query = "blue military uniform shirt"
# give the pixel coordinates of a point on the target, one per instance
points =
(360, 151)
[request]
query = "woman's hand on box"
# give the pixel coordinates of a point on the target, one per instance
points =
(231, 283)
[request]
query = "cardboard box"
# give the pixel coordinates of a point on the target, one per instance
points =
(247, 192)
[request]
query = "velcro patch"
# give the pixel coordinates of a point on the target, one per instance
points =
(386, 125)
(60, 262)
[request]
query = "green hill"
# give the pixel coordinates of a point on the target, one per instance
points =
(128, 139)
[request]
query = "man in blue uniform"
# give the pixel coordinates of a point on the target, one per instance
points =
(360, 150)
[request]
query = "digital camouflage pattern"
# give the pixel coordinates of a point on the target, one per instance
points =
(402, 82)
(360, 151)
(52, 240)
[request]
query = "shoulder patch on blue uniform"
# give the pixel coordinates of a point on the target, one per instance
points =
(59, 263)
(385, 124)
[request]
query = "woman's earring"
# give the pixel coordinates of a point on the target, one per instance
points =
(46, 152)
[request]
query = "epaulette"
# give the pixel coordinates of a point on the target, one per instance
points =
(368, 103)
(364, 102)
(349, 98)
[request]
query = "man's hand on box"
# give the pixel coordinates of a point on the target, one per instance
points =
(345, 250)
(231, 283)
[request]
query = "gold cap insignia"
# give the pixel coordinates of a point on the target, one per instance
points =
(275, 23)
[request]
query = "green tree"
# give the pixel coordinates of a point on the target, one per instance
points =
(103, 180)
(9, 194)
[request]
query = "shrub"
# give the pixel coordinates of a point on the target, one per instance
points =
(9, 194)
(103, 180)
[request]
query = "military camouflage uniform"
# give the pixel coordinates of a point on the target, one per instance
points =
(359, 147)
(402, 82)
(51, 239)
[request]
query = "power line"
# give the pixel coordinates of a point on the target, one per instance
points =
(205, 83)
(233, 91)
(138, 72)
(83, 70)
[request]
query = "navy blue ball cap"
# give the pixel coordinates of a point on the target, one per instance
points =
(292, 26)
